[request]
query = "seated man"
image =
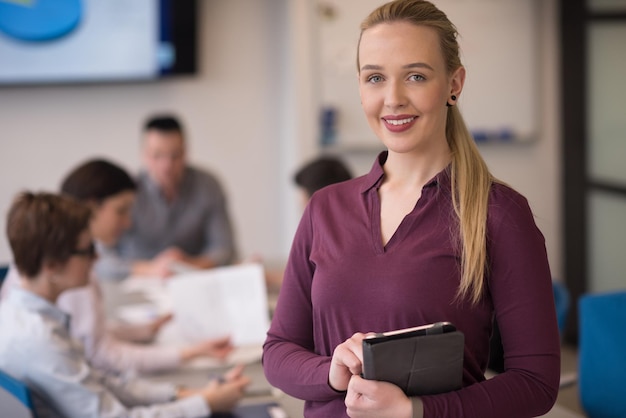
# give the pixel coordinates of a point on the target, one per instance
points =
(54, 252)
(180, 211)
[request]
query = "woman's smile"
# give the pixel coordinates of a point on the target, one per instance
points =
(400, 123)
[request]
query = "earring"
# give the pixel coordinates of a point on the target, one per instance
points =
(453, 97)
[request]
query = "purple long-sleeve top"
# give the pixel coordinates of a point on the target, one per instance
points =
(340, 279)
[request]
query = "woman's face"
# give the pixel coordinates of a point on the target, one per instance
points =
(75, 272)
(112, 217)
(404, 86)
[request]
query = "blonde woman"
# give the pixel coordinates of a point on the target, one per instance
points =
(428, 235)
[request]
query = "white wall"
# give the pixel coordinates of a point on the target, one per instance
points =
(251, 118)
(534, 169)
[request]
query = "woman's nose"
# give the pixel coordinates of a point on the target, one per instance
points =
(395, 95)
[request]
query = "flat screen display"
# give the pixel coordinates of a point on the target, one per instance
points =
(72, 41)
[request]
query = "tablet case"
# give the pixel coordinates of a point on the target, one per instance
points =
(422, 361)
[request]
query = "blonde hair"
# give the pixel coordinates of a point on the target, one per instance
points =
(470, 177)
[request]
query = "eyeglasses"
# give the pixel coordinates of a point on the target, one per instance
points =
(89, 252)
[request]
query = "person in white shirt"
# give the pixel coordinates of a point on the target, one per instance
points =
(54, 252)
(109, 191)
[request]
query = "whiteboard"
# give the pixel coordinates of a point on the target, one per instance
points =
(498, 41)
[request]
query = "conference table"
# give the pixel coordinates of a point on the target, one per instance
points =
(124, 296)
(259, 391)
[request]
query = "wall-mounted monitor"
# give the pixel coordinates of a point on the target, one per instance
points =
(92, 41)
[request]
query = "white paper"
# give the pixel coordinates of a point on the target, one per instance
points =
(221, 301)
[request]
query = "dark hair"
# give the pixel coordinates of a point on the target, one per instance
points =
(97, 180)
(44, 228)
(165, 123)
(320, 173)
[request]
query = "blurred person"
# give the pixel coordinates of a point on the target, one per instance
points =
(109, 191)
(318, 173)
(180, 211)
(53, 250)
(309, 178)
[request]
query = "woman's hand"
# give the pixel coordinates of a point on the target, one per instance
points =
(347, 361)
(219, 348)
(376, 399)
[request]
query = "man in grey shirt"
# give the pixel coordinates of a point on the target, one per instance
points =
(180, 213)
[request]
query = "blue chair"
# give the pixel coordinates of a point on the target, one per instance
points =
(4, 269)
(602, 354)
(15, 399)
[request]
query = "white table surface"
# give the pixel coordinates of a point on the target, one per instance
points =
(198, 374)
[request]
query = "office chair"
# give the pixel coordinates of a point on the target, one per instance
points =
(15, 399)
(602, 354)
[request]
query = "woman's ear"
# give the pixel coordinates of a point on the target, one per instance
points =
(457, 81)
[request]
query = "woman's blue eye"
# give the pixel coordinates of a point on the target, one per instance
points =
(374, 79)
(417, 77)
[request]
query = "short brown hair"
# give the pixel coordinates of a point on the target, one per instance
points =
(44, 228)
